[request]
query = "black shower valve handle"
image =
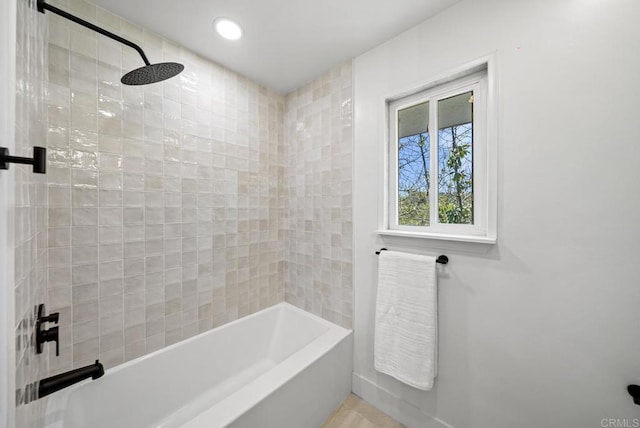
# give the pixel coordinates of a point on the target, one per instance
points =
(51, 334)
(54, 317)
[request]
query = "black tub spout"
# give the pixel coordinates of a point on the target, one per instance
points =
(56, 383)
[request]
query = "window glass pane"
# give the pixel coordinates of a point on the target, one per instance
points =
(413, 165)
(455, 159)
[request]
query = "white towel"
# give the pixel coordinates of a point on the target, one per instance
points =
(405, 344)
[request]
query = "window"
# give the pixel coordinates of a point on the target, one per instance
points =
(440, 185)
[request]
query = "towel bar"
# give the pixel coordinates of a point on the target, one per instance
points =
(39, 159)
(443, 260)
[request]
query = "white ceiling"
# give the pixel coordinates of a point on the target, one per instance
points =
(286, 43)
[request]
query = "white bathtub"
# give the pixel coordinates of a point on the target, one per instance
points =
(281, 367)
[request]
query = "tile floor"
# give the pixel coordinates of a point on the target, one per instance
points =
(357, 413)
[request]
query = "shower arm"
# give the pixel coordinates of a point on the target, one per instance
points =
(42, 6)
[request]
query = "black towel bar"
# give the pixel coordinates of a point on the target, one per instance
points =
(39, 159)
(443, 260)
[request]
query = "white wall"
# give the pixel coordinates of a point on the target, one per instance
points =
(7, 120)
(540, 330)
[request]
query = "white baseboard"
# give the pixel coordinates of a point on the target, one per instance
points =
(393, 405)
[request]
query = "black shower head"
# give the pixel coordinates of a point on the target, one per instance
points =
(152, 73)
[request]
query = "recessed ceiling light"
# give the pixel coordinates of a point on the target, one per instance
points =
(227, 28)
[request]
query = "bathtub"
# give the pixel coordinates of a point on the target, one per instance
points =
(280, 367)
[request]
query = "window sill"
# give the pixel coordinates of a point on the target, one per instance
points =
(439, 236)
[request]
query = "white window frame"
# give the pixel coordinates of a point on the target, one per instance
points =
(480, 79)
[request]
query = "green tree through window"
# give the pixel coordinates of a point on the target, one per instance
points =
(455, 176)
(413, 180)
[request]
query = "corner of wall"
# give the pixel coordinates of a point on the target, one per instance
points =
(318, 222)
(394, 406)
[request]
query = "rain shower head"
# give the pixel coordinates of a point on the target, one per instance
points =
(150, 73)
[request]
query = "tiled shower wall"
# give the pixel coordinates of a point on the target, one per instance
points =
(164, 200)
(29, 215)
(180, 206)
(318, 224)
